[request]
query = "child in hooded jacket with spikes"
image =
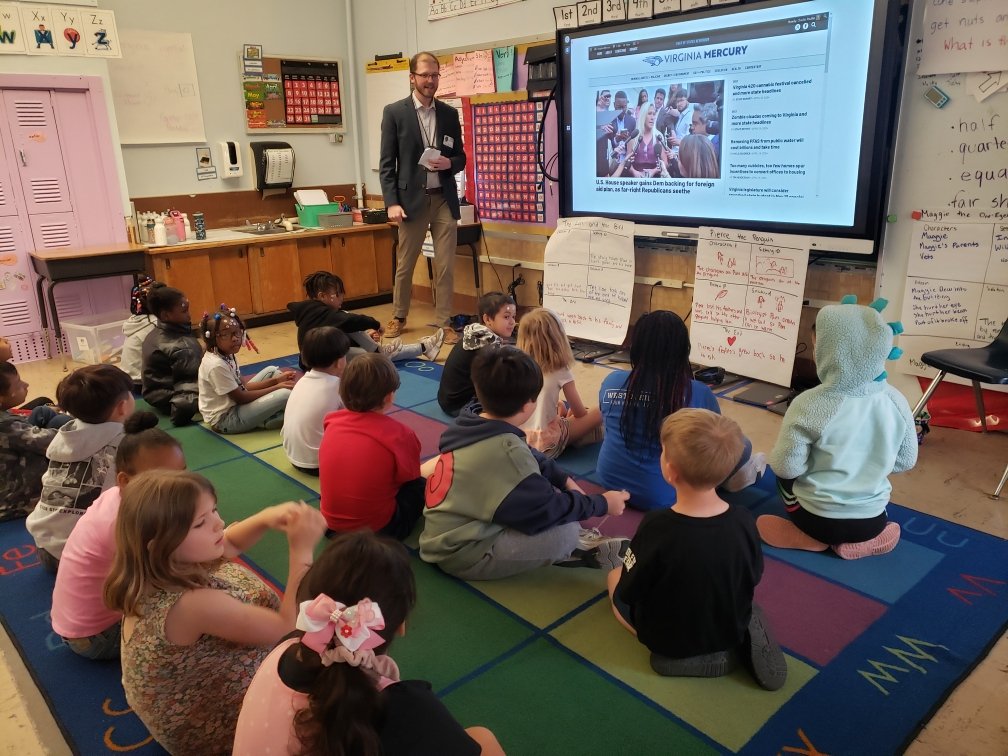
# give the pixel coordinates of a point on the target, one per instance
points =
(840, 441)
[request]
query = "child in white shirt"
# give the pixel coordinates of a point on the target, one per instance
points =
(323, 352)
(229, 402)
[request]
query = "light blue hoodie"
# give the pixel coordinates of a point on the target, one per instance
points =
(842, 439)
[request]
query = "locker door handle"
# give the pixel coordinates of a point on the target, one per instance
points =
(24, 160)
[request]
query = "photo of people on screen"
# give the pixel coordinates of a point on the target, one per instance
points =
(647, 140)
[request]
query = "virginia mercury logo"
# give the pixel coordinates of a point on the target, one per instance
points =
(654, 60)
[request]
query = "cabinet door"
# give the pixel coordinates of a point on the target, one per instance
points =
(353, 258)
(274, 276)
(383, 238)
(314, 255)
(18, 310)
(189, 272)
(229, 267)
(37, 150)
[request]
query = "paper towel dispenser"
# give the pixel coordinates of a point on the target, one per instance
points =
(273, 163)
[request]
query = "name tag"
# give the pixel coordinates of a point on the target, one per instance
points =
(449, 142)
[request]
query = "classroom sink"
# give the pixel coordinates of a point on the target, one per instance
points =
(263, 230)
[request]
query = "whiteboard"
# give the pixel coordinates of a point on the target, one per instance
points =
(383, 87)
(155, 89)
(951, 160)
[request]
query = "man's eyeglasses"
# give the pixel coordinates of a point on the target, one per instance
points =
(429, 76)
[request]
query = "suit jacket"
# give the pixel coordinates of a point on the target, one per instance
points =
(403, 180)
(629, 123)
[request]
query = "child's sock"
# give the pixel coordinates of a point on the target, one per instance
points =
(784, 534)
(883, 543)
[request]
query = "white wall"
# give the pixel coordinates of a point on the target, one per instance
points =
(313, 29)
(383, 27)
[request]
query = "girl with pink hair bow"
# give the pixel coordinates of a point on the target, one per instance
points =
(333, 689)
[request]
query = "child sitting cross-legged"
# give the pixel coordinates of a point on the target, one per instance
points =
(24, 438)
(369, 464)
(79, 614)
(81, 456)
(687, 582)
(496, 507)
(135, 329)
(229, 401)
(324, 307)
(171, 357)
(332, 688)
(323, 353)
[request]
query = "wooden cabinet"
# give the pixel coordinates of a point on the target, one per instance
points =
(209, 278)
(383, 242)
(232, 285)
(264, 276)
(275, 275)
(189, 272)
(314, 255)
(353, 260)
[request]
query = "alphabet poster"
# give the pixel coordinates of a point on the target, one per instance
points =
(588, 277)
(58, 31)
(956, 291)
(747, 301)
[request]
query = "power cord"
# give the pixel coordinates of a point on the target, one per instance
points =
(689, 311)
(651, 296)
(493, 265)
(539, 136)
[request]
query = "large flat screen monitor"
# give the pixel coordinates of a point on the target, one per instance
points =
(774, 116)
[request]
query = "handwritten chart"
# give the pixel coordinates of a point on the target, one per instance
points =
(588, 277)
(474, 73)
(747, 302)
(956, 293)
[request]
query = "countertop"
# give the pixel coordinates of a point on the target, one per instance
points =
(227, 237)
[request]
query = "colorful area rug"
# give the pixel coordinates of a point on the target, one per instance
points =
(874, 647)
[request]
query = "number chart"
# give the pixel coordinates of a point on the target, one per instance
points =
(509, 182)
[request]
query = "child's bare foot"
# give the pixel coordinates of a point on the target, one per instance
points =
(784, 534)
(883, 543)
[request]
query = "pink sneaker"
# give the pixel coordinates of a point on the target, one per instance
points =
(883, 543)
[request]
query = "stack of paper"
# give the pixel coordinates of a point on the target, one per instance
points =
(309, 197)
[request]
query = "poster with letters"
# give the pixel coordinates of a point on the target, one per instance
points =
(747, 301)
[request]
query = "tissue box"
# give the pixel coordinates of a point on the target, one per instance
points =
(312, 215)
(95, 338)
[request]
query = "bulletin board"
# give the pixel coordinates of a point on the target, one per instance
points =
(285, 94)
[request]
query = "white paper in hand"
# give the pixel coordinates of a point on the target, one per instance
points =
(429, 156)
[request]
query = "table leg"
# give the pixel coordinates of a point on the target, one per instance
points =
(40, 298)
(476, 270)
(56, 324)
(430, 277)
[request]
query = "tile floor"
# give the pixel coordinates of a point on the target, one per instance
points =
(955, 472)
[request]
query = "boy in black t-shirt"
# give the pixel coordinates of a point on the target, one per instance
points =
(686, 585)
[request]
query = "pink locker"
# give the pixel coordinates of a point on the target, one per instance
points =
(37, 150)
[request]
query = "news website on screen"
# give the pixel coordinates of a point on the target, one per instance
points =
(723, 117)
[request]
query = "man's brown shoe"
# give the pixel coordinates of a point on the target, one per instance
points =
(394, 328)
(450, 336)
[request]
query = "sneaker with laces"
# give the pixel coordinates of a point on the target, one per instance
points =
(394, 328)
(391, 349)
(432, 344)
(597, 551)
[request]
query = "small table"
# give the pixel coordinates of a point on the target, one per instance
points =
(80, 264)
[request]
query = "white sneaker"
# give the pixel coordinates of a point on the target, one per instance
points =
(391, 348)
(747, 475)
(432, 345)
(596, 551)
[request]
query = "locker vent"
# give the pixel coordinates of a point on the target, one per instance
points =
(14, 314)
(54, 235)
(46, 190)
(30, 113)
(7, 240)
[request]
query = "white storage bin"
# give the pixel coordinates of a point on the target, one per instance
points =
(95, 338)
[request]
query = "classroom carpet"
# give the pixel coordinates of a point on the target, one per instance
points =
(873, 647)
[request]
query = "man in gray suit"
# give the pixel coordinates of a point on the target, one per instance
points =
(417, 196)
